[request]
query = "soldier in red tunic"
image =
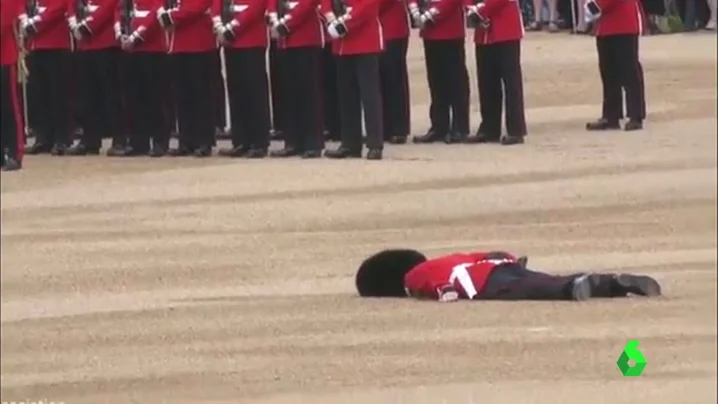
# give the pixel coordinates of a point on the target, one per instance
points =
(442, 28)
(497, 35)
(619, 24)
(241, 27)
(299, 33)
(394, 71)
(143, 40)
(13, 131)
(45, 28)
(191, 47)
(98, 53)
(492, 275)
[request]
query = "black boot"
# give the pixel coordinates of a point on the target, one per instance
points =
(508, 140)
(342, 153)
(11, 164)
(312, 154)
(481, 137)
(612, 285)
(603, 124)
(256, 153)
(284, 152)
(203, 151)
(632, 125)
(238, 151)
(59, 149)
(429, 137)
(396, 140)
(80, 149)
(181, 151)
(456, 137)
(158, 150)
(38, 148)
(374, 154)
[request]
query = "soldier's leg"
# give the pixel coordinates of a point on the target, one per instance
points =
(278, 111)
(137, 101)
(111, 105)
(458, 91)
(156, 124)
(201, 93)
(219, 104)
(632, 79)
(288, 76)
(236, 99)
(309, 119)
(370, 93)
(257, 86)
(59, 105)
(490, 95)
(512, 78)
(330, 103)
(439, 113)
(181, 75)
(349, 109)
(12, 124)
(89, 89)
(395, 91)
(38, 87)
(609, 63)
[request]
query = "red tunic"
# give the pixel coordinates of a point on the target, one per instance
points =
(99, 18)
(467, 272)
(506, 22)
(619, 17)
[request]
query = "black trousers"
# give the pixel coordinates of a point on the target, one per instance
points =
(193, 92)
(220, 102)
(13, 131)
(169, 99)
(359, 89)
(621, 70)
(302, 99)
(100, 93)
(395, 88)
(51, 110)
(514, 282)
(144, 98)
(330, 101)
(448, 85)
(248, 89)
(500, 79)
(278, 110)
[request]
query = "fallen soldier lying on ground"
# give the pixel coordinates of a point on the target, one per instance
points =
(492, 275)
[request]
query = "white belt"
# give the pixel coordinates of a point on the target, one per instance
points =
(292, 4)
(238, 8)
(141, 13)
(41, 9)
(92, 8)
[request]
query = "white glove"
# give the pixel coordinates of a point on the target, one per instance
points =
(588, 16)
(332, 30)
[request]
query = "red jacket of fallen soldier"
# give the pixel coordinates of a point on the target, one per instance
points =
(467, 272)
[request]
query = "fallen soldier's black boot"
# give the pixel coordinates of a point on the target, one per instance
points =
(640, 285)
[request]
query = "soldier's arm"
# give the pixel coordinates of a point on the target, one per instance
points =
(442, 8)
(303, 10)
(606, 5)
(147, 25)
(102, 16)
(189, 10)
(327, 10)
(363, 12)
(52, 14)
(254, 11)
(423, 281)
(490, 7)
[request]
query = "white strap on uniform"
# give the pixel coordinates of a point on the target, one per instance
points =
(461, 274)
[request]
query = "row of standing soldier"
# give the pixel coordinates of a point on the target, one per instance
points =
(364, 51)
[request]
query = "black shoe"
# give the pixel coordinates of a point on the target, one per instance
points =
(374, 154)
(508, 140)
(181, 151)
(239, 151)
(396, 140)
(638, 285)
(603, 124)
(276, 134)
(581, 288)
(58, 149)
(128, 151)
(38, 148)
(256, 153)
(342, 153)
(312, 154)
(284, 152)
(203, 151)
(456, 137)
(158, 150)
(429, 137)
(481, 137)
(117, 151)
(81, 149)
(11, 164)
(632, 125)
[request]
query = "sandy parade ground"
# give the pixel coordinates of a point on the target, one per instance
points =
(229, 281)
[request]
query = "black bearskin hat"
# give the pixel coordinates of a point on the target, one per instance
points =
(382, 274)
